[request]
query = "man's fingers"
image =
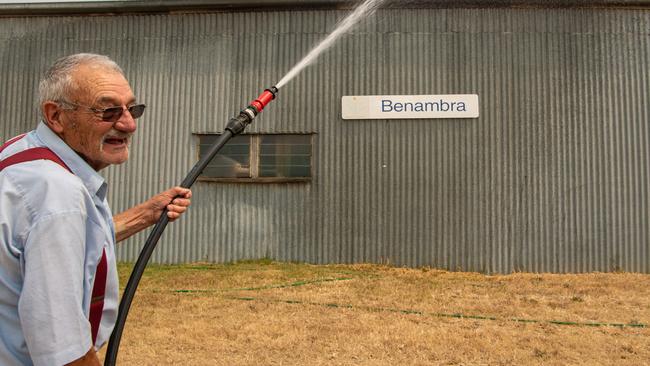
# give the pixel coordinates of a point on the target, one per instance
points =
(179, 191)
(181, 202)
(175, 212)
(176, 208)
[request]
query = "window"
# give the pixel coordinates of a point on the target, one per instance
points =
(259, 158)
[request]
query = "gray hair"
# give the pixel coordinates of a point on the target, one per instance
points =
(57, 83)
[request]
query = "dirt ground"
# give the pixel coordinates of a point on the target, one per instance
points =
(267, 313)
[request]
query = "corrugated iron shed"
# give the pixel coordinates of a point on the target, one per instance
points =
(552, 177)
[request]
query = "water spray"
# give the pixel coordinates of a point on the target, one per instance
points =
(234, 127)
(363, 10)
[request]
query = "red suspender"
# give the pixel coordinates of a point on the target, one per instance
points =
(99, 288)
(35, 153)
(97, 300)
(11, 141)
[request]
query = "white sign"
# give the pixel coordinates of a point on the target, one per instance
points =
(410, 106)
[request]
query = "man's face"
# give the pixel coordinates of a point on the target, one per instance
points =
(98, 142)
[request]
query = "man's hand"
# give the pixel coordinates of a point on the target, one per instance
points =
(176, 200)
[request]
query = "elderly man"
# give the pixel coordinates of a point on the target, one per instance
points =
(58, 279)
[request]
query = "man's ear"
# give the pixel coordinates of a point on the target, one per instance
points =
(52, 113)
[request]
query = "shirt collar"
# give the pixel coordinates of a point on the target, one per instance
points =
(93, 181)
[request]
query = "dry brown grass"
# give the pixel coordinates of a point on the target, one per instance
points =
(266, 313)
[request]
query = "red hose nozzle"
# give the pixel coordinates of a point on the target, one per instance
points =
(265, 98)
(238, 123)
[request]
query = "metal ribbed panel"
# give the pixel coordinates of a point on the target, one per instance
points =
(553, 176)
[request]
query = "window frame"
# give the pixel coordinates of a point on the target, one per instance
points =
(254, 152)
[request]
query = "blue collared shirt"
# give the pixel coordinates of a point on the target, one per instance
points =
(53, 227)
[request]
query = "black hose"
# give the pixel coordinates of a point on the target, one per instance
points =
(150, 245)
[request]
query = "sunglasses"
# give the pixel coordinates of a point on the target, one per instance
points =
(113, 114)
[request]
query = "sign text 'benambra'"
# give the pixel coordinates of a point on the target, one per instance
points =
(410, 106)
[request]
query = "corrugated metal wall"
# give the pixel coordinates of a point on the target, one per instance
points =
(552, 177)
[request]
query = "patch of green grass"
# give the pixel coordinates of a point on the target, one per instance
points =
(263, 273)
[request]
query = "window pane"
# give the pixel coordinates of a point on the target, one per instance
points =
(285, 156)
(232, 161)
(270, 160)
(286, 171)
(285, 139)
